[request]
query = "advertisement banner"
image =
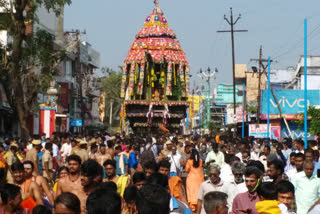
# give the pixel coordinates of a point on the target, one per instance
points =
(290, 101)
(261, 131)
(296, 131)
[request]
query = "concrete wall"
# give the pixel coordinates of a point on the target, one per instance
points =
(313, 82)
(240, 71)
(252, 84)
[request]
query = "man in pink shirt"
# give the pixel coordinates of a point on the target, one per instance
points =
(245, 202)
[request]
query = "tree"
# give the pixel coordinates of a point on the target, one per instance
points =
(111, 86)
(314, 114)
(214, 128)
(29, 62)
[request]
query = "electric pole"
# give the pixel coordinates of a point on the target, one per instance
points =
(232, 31)
(79, 74)
(261, 65)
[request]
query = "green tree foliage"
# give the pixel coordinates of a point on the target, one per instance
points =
(28, 62)
(214, 128)
(314, 114)
(111, 85)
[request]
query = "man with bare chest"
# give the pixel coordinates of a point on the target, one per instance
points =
(102, 155)
(121, 181)
(41, 181)
(91, 178)
(29, 189)
(82, 179)
(72, 182)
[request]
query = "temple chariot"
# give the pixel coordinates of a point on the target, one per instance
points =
(155, 79)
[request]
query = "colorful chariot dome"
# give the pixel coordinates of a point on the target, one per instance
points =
(157, 39)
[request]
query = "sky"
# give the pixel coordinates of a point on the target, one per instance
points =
(277, 25)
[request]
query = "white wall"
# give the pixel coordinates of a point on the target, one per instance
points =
(313, 82)
(3, 37)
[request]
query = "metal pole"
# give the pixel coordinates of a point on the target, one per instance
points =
(208, 101)
(110, 118)
(259, 86)
(268, 99)
(243, 108)
(200, 112)
(233, 65)
(305, 87)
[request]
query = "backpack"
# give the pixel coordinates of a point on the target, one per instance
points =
(146, 155)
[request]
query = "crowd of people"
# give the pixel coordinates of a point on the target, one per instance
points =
(162, 174)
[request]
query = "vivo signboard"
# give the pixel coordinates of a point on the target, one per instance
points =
(290, 101)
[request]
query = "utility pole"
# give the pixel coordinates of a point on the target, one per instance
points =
(261, 65)
(232, 31)
(79, 75)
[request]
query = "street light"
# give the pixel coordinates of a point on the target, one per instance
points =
(207, 75)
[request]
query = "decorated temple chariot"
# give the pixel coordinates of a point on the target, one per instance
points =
(155, 79)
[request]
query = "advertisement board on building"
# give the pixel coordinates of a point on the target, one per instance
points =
(231, 118)
(296, 131)
(290, 101)
(261, 131)
(76, 123)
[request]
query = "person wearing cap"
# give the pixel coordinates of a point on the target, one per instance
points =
(76, 150)
(83, 152)
(11, 159)
(32, 155)
(168, 150)
(180, 146)
(47, 164)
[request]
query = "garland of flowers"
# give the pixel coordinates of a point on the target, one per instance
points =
(136, 74)
(162, 82)
(152, 82)
(123, 81)
(187, 79)
(182, 80)
(174, 74)
(140, 85)
(169, 79)
(131, 79)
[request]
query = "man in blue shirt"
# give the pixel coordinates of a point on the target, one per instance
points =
(121, 161)
(133, 161)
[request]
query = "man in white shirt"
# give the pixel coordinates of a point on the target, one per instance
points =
(255, 152)
(174, 159)
(215, 156)
(238, 169)
(307, 188)
(298, 160)
(215, 184)
(66, 148)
